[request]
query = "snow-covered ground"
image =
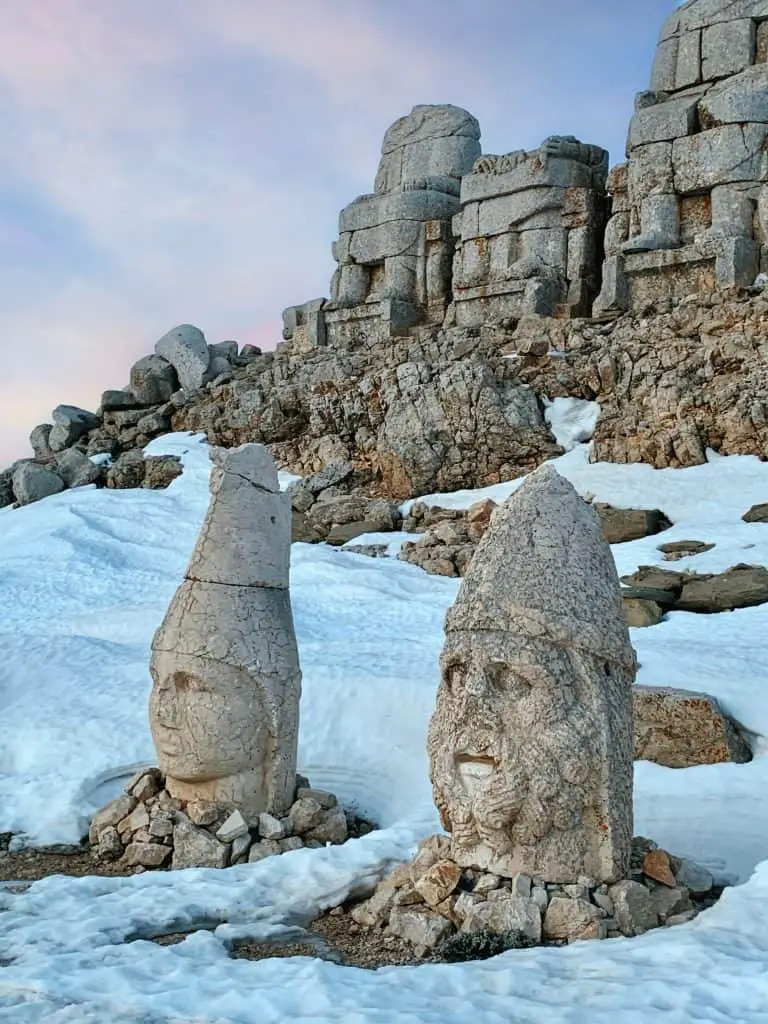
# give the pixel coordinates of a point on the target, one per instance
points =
(85, 578)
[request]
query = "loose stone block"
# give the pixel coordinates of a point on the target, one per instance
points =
(663, 122)
(567, 918)
(506, 915)
(193, 847)
(530, 745)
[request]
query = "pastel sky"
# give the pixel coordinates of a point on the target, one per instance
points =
(186, 161)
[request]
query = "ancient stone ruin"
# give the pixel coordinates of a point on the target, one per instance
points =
(690, 207)
(224, 709)
(531, 743)
(530, 751)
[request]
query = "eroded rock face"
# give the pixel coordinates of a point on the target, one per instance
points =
(224, 706)
(531, 742)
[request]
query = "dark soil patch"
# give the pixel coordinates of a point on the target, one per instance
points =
(39, 862)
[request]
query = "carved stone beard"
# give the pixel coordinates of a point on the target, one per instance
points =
(515, 752)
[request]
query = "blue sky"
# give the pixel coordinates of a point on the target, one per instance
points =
(186, 161)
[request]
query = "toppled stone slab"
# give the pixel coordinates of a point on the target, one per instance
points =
(741, 586)
(621, 525)
(757, 514)
(680, 728)
(678, 549)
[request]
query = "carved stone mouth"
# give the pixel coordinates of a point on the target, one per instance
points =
(473, 770)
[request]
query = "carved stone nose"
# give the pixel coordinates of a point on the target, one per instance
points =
(477, 684)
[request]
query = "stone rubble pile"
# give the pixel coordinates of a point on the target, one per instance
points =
(105, 448)
(147, 828)
(430, 899)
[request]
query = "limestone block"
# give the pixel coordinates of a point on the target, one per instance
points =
(681, 728)
(688, 68)
(39, 439)
(713, 12)
(245, 539)
(69, 424)
(233, 828)
(633, 908)
(418, 205)
(32, 482)
(664, 71)
(727, 48)
(616, 233)
(331, 828)
(76, 469)
(499, 214)
(371, 245)
(532, 173)
(432, 141)
(109, 816)
(737, 263)
(530, 746)
(742, 98)
(419, 926)
(146, 855)
(732, 213)
(568, 918)
(193, 847)
(694, 877)
(153, 380)
(506, 914)
(663, 122)
(650, 170)
(185, 348)
(614, 294)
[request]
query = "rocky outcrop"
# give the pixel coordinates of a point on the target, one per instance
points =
(742, 586)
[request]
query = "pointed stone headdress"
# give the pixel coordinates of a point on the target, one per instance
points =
(564, 589)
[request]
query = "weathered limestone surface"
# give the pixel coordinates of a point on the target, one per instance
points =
(529, 236)
(530, 745)
(690, 212)
(224, 705)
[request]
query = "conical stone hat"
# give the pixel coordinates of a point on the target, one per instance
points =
(543, 571)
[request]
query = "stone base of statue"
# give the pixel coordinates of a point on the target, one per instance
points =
(147, 828)
(439, 907)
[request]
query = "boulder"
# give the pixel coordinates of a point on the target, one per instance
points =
(160, 471)
(193, 847)
(661, 585)
(109, 816)
(438, 882)
(69, 424)
(757, 514)
(569, 919)
(742, 586)
(331, 828)
(633, 908)
(114, 401)
(128, 471)
(692, 876)
(378, 514)
(224, 350)
(146, 855)
(109, 846)
(185, 348)
(76, 469)
(233, 828)
(624, 524)
(419, 926)
(640, 612)
(31, 482)
(681, 728)
(6, 488)
(39, 439)
(509, 913)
